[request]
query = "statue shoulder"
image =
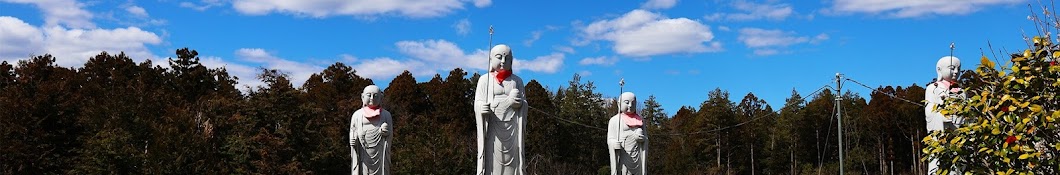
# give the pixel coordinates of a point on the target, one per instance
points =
(516, 78)
(385, 113)
(931, 85)
(931, 90)
(614, 119)
(483, 78)
(359, 112)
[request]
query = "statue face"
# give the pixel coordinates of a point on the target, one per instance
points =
(372, 96)
(501, 57)
(627, 103)
(948, 67)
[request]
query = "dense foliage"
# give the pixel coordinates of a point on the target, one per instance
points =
(1012, 118)
(114, 115)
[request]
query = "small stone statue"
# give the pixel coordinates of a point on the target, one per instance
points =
(370, 137)
(500, 116)
(627, 140)
(936, 94)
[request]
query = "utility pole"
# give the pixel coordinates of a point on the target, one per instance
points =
(839, 116)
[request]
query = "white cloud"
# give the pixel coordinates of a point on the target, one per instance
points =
(425, 58)
(482, 3)
(914, 8)
(134, 16)
(536, 35)
(19, 39)
(387, 68)
(724, 28)
(364, 8)
(432, 56)
(463, 26)
(546, 64)
(65, 12)
(640, 33)
(248, 75)
(564, 49)
(601, 60)
(585, 73)
(769, 42)
(69, 34)
(137, 11)
(73, 47)
(442, 53)
(348, 58)
(658, 4)
(203, 5)
(754, 11)
(766, 52)
(299, 72)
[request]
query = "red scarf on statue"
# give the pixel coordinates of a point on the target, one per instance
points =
(632, 119)
(371, 111)
(947, 85)
(501, 75)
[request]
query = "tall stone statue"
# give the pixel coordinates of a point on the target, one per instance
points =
(627, 139)
(936, 94)
(370, 137)
(500, 116)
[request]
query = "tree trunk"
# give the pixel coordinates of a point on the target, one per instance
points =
(794, 163)
(883, 167)
(752, 159)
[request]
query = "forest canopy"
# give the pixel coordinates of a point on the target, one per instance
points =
(114, 115)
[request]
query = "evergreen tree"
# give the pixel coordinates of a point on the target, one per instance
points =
(333, 95)
(39, 115)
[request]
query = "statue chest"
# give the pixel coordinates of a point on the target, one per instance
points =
(369, 131)
(503, 88)
(629, 137)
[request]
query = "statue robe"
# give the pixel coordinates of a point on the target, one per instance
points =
(628, 156)
(370, 150)
(935, 95)
(500, 132)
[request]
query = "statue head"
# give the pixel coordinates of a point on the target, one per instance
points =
(627, 103)
(372, 97)
(501, 58)
(947, 68)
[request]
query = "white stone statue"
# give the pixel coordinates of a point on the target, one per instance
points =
(370, 137)
(627, 139)
(936, 94)
(500, 116)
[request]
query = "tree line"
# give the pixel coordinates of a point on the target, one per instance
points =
(114, 115)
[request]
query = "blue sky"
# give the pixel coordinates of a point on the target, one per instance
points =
(676, 50)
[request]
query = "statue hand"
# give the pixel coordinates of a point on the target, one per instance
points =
(384, 129)
(514, 92)
(484, 108)
(516, 98)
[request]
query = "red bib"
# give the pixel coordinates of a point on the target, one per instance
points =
(633, 120)
(371, 112)
(502, 75)
(947, 84)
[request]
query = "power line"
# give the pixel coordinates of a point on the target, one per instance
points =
(682, 134)
(885, 93)
(673, 134)
(719, 129)
(568, 121)
(819, 90)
